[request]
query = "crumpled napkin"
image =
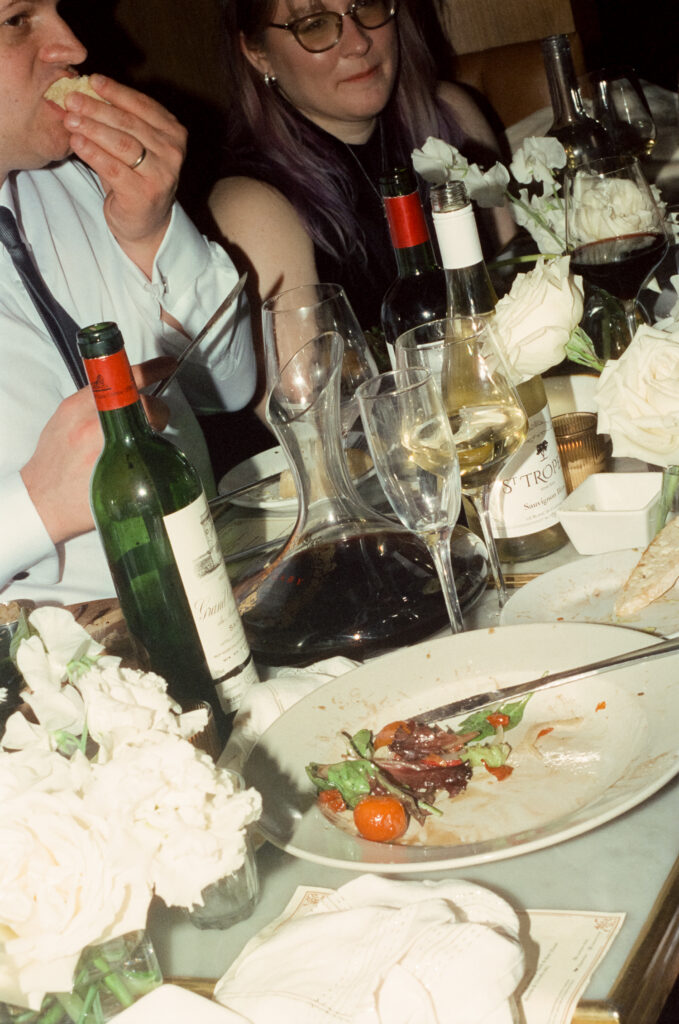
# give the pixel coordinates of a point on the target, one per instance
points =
(266, 701)
(380, 951)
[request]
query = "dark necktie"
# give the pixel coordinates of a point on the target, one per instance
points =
(62, 328)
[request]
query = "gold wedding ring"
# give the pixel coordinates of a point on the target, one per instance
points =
(140, 159)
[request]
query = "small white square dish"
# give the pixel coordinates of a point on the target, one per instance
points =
(612, 511)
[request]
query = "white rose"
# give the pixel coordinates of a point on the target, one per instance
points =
(63, 886)
(609, 207)
(183, 810)
(638, 398)
(536, 318)
(123, 704)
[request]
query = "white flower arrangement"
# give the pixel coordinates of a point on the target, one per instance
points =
(105, 802)
(538, 320)
(638, 394)
(542, 214)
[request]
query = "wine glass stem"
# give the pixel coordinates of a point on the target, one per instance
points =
(631, 316)
(439, 549)
(481, 506)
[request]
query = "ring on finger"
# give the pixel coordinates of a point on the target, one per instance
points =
(139, 160)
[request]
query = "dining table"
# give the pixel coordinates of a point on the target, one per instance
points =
(626, 868)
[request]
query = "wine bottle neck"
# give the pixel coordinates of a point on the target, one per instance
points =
(565, 96)
(470, 291)
(409, 234)
(116, 396)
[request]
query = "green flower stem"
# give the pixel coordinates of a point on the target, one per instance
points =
(509, 261)
(141, 982)
(51, 1014)
(113, 981)
(536, 217)
(72, 1004)
(92, 995)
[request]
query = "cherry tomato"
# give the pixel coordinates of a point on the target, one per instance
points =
(497, 719)
(385, 736)
(331, 800)
(381, 818)
(437, 761)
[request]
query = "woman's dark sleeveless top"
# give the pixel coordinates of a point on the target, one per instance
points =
(367, 273)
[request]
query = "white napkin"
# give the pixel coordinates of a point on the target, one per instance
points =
(380, 951)
(264, 702)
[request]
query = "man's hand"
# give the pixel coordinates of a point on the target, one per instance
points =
(57, 476)
(111, 137)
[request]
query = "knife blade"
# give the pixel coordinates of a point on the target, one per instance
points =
(186, 352)
(480, 700)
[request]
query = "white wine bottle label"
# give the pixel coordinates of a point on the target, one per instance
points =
(526, 497)
(200, 562)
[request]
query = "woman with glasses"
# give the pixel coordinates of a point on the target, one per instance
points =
(325, 94)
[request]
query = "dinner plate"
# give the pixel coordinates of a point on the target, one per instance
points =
(267, 495)
(586, 591)
(584, 753)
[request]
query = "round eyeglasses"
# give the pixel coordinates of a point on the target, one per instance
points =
(323, 30)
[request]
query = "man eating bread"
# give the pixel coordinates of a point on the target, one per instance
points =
(87, 204)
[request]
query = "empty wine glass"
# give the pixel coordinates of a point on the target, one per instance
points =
(298, 315)
(615, 231)
(485, 412)
(615, 98)
(414, 453)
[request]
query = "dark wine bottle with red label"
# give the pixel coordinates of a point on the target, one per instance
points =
(161, 545)
(418, 295)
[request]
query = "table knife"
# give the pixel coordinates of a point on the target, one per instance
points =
(466, 705)
(186, 352)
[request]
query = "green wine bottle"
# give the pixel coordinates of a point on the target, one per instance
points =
(161, 544)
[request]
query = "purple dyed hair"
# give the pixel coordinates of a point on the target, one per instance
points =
(267, 140)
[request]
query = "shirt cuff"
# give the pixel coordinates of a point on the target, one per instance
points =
(24, 541)
(192, 275)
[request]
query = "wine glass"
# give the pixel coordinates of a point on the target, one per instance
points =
(415, 458)
(615, 231)
(298, 315)
(615, 99)
(485, 412)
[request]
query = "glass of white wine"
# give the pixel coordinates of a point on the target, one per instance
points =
(412, 447)
(485, 412)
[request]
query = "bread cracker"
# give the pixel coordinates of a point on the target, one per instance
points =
(655, 573)
(59, 90)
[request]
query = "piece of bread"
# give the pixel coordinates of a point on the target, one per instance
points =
(59, 90)
(654, 574)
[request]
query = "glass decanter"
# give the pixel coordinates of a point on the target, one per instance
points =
(349, 581)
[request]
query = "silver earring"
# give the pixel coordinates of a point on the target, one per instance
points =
(269, 80)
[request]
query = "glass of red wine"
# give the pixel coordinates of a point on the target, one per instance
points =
(615, 230)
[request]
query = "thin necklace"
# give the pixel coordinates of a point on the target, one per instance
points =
(360, 166)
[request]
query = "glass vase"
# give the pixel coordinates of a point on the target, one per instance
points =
(669, 497)
(349, 581)
(109, 978)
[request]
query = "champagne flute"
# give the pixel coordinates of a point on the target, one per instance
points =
(298, 315)
(485, 412)
(414, 453)
(615, 231)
